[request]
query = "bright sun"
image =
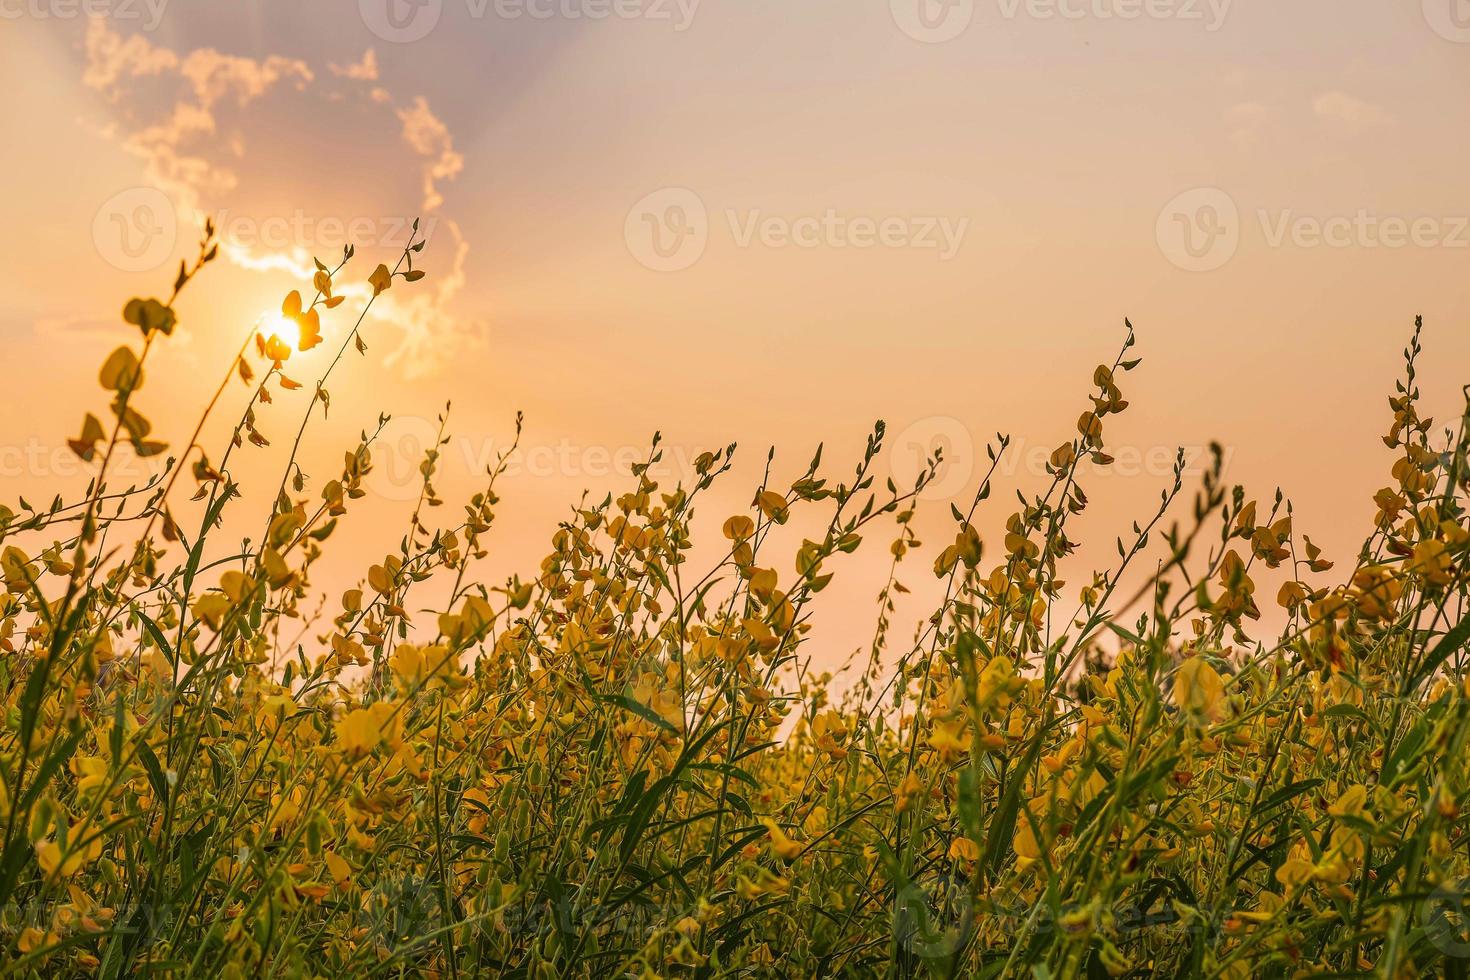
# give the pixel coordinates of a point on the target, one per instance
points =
(283, 328)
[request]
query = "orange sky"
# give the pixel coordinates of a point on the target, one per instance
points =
(761, 222)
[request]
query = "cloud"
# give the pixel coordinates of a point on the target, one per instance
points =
(430, 138)
(81, 326)
(1355, 113)
(247, 140)
(365, 70)
(1248, 122)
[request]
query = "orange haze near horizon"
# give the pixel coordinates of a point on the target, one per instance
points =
(761, 223)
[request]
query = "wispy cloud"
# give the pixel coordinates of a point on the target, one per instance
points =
(1353, 112)
(430, 138)
(1248, 122)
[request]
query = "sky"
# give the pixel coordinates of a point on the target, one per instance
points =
(763, 222)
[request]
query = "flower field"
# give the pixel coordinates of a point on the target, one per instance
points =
(621, 763)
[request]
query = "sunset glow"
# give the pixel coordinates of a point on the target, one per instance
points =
(287, 331)
(702, 489)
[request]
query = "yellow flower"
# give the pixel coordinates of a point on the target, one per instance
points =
(91, 772)
(964, 849)
(337, 866)
(83, 847)
(364, 729)
(1351, 802)
(1294, 872)
(1025, 843)
(998, 682)
(764, 882)
(781, 845)
(947, 739)
(1198, 688)
(907, 791)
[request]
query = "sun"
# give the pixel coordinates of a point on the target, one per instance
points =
(282, 328)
